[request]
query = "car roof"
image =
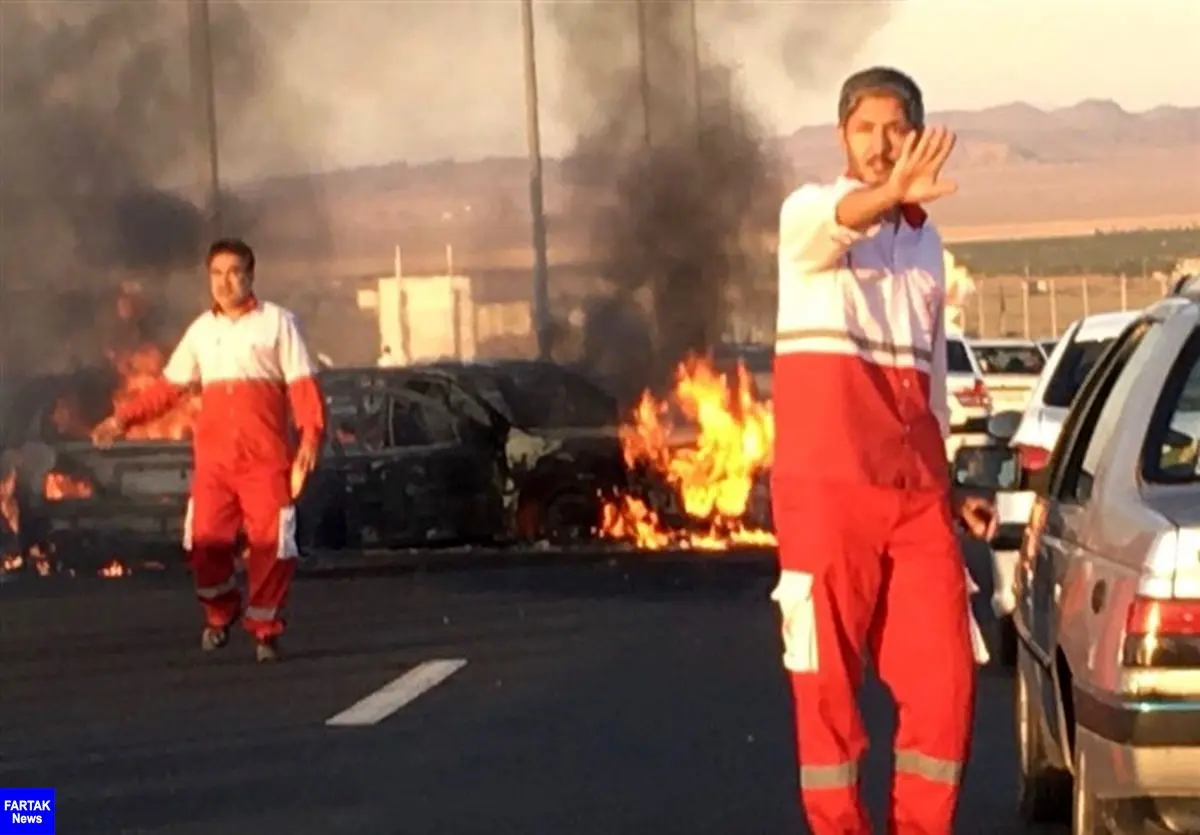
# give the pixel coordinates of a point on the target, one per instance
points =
(1105, 325)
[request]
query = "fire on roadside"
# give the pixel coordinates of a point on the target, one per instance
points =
(137, 368)
(714, 474)
(114, 568)
(36, 558)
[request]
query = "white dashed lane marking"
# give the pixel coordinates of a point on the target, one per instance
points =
(391, 697)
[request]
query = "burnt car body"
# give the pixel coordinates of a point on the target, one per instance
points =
(418, 457)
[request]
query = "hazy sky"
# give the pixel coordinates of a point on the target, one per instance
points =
(414, 79)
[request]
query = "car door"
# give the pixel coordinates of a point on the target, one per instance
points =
(345, 506)
(437, 483)
(1055, 543)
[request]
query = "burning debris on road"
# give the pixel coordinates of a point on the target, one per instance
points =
(709, 443)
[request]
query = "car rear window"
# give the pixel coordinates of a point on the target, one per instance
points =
(1072, 370)
(957, 359)
(1009, 359)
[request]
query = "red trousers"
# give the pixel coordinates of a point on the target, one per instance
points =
(257, 502)
(885, 578)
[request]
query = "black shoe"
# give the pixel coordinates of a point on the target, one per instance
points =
(266, 650)
(214, 638)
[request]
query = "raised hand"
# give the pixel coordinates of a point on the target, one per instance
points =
(916, 177)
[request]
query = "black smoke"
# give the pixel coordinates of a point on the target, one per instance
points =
(104, 173)
(682, 171)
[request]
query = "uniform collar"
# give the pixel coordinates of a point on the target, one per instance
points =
(912, 213)
(248, 306)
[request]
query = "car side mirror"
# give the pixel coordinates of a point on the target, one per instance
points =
(1002, 426)
(987, 467)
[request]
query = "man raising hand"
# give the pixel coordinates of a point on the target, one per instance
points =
(862, 502)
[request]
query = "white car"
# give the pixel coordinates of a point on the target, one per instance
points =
(1034, 438)
(968, 399)
(1011, 368)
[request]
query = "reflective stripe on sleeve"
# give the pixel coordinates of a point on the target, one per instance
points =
(843, 775)
(213, 592)
(931, 768)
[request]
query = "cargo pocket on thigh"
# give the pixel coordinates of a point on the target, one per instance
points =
(189, 518)
(978, 644)
(794, 594)
(288, 549)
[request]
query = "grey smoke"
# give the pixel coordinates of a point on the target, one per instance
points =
(102, 176)
(688, 185)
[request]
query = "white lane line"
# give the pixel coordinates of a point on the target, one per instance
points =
(392, 696)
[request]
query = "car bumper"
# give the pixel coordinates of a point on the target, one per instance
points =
(1145, 748)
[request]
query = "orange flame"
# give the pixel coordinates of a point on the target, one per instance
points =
(59, 486)
(714, 473)
(139, 369)
(10, 512)
(113, 569)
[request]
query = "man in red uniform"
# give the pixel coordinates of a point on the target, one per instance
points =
(870, 564)
(253, 368)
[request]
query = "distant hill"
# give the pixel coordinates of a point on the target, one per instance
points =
(1023, 172)
(1090, 131)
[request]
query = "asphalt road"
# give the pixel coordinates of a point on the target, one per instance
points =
(596, 700)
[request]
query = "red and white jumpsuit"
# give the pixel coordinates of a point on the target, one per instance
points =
(870, 563)
(252, 370)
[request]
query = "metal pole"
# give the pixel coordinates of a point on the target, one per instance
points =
(644, 66)
(533, 136)
(204, 88)
(696, 73)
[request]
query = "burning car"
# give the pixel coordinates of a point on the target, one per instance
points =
(496, 453)
(416, 457)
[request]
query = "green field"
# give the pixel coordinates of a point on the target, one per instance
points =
(1112, 253)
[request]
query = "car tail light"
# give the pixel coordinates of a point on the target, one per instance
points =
(1162, 634)
(1032, 458)
(975, 396)
(1163, 618)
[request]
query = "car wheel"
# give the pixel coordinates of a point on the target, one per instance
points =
(1089, 814)
(567, 515)
(1008, 642)
(1043, 791)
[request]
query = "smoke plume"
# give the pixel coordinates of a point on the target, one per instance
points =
(105, 164)
(688, 185)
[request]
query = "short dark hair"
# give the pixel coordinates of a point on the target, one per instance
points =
(882, 81)
(231, 246)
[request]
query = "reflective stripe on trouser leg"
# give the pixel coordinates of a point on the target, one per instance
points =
(817, 777)
(930, 768)
(213, 592)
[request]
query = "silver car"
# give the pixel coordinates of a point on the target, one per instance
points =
(1108, 589)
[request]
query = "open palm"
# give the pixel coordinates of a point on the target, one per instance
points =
(917, 173)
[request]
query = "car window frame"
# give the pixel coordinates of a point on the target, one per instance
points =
(1079, 427)
(1185, 362)
(980, 350)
